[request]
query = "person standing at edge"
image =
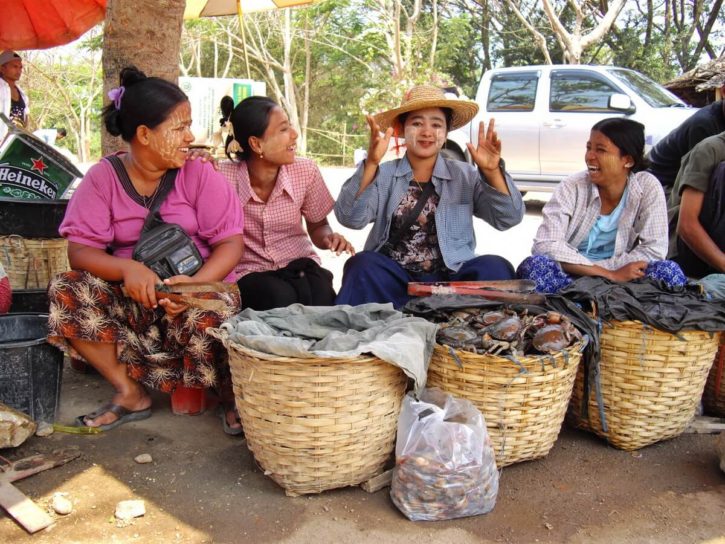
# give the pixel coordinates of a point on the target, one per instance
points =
(665, 157)
(422, 205)
(697, 210)
(14, 102)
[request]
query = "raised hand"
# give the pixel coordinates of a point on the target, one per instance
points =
(487, 154)
(379, 142)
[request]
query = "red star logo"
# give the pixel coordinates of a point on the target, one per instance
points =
(39, 165)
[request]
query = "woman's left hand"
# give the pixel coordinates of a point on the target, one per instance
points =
(203, 155)
(487, 155)
(337, 243)
(174, 309)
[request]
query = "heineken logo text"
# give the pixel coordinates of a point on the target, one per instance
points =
(19, 177)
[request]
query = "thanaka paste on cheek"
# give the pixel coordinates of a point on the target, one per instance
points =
(440, 138)
(168, 139)
(411, 135)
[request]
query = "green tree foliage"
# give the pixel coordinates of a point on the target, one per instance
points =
(339, 59)
(64, 87)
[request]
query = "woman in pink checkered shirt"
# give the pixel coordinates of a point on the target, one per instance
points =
(277, 190)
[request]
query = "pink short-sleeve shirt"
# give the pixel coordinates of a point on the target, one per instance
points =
(274, 234)
(101, 214)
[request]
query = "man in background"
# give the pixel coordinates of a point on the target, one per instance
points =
(13, 101)
(697, 210)
(51, 135)
(666, 156)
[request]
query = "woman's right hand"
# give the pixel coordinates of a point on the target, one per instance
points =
(140, 283)
(379, 142)
(629, 272)
(376, 150)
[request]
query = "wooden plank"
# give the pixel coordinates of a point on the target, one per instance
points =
(706, 425)
(22, 509)
(378, 482)
(36, 463)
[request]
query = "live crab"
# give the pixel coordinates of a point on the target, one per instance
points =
(506, 331)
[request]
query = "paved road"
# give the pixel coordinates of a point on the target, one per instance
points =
(513, 244)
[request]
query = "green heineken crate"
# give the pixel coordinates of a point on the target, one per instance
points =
(31, 169)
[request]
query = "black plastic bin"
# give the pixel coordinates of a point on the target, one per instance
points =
(29, 300)
(30, 368)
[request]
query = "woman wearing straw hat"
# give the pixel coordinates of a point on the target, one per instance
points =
(422, 205)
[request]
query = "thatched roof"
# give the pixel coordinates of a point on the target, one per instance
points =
(708, 76)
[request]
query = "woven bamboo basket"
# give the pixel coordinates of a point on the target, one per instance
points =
(31, 263)
(651, 383)
(317, 424)
(713, 399)
(523, 405)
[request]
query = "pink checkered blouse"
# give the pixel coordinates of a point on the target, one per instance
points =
(274, 234)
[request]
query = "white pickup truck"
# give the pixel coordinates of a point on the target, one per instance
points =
(544, 114)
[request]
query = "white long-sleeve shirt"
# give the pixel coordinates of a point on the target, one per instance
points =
(5, 101)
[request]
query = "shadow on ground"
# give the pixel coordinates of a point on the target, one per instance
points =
(203, 486)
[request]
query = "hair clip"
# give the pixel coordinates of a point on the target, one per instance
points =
(233, 147)
(116, 94)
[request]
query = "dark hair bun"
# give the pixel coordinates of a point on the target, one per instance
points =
(227, 107)
(130, 75)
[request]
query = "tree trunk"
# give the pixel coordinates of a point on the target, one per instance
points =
(145, 34)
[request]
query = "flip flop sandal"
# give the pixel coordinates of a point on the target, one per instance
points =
(228, 429)
(123, 415)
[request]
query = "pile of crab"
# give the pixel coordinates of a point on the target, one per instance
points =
(503, 332)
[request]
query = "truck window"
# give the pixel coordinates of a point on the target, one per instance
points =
(580, 92)
(648, 90)
(513, 92)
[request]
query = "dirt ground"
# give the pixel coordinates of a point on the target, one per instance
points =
(204, 487)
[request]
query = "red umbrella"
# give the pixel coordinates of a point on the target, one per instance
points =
(39, 24)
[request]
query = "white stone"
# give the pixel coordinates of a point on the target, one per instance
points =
(143, 458)
(130, 509)
(61, 504)
(44, 429)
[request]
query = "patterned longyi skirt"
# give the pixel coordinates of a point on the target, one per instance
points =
(160, 353)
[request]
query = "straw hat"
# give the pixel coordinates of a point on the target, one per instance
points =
(429, 96)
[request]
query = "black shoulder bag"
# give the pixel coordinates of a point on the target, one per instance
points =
(388, 246)
(164, 247)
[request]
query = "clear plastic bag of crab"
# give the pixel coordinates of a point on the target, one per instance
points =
(445, 466)
(506, 331)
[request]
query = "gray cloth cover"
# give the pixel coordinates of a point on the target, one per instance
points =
(339, 331)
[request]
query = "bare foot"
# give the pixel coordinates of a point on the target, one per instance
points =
(230, 419)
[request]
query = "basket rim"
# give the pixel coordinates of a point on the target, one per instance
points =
(245, 350)
(631, 323)
(577, 346)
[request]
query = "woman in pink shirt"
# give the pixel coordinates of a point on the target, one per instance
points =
(106, 311)
(277, 190)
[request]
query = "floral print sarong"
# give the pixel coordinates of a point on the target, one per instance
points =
(159, 352)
